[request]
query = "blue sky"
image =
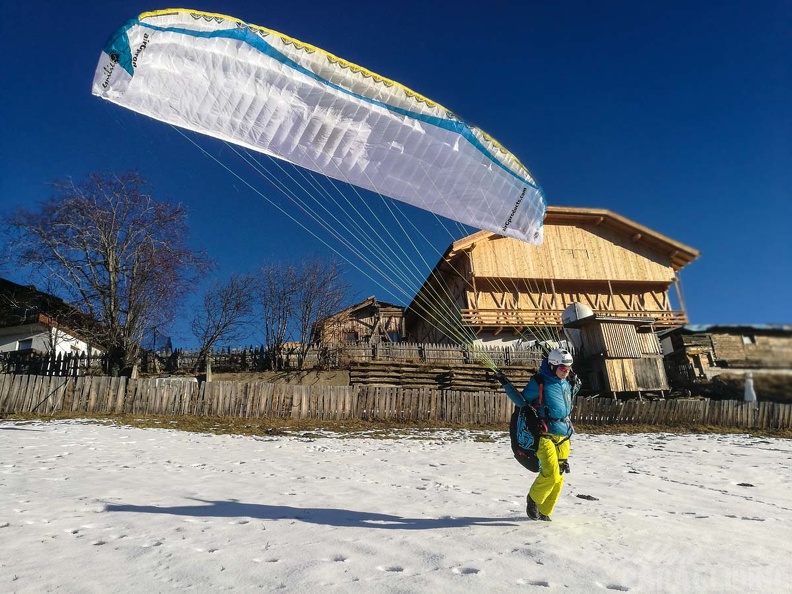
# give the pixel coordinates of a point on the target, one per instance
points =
(676, 115)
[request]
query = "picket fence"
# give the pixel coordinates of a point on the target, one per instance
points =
(44, 395)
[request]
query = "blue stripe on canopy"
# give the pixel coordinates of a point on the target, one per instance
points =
(245, 35)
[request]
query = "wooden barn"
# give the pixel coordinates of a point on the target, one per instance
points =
(368, 321)
(700, 352)
(504, 289)
(615, 354)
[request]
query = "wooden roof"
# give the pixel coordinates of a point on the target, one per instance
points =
(368, 302)
(680, 254)
(22, 305)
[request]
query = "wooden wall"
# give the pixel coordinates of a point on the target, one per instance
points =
(748, 348)
(618, 340)
(632, 375)
(551, 294)
(363, 323)
(622, 357)
(434, 315)
(755, 350)
(573, 252)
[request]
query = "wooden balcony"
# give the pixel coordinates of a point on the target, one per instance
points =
(525, 319)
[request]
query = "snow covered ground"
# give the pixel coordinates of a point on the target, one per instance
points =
(91, 508)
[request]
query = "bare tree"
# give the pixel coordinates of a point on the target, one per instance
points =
(115, 252)
(277, 285)
(225, 312)
(321, 292)
(294, 297)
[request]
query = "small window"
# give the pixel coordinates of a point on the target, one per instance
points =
(351, 336)
(575, 253)
(25, 345)
(749, 339)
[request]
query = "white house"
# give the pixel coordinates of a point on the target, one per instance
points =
(34, 321)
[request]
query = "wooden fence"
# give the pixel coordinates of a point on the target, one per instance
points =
(335, 355)
(41, 394)
(256, 358)
(59, 364)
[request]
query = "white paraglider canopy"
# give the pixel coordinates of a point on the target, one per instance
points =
(263, 90)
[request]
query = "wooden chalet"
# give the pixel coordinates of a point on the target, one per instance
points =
(503, 288)
(370, 321)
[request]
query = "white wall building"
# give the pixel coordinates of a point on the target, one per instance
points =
(42, 338)
(29, 321)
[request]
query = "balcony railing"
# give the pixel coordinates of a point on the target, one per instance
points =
(528, 318)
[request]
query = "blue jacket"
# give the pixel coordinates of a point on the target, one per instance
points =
(556, 400)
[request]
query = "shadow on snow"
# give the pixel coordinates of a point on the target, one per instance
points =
(329, 517)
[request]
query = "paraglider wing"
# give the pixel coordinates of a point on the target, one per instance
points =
(260, 89)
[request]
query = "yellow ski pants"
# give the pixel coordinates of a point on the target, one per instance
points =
(547, 486)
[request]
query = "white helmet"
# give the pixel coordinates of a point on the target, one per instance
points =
(559, 357)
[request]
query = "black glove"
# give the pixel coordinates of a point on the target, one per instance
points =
(501, 378)
(575, 382)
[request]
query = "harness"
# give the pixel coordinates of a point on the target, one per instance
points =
(537, 427)
(539, 379)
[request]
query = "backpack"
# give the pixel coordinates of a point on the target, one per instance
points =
(525, 428)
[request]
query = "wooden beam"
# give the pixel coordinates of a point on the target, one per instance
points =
(473, 277)
(680, 297)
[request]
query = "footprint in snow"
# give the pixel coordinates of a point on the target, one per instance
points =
(391, 568)
(465, 570)
(617, 588)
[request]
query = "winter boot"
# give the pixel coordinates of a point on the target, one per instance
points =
(531, 509)
(544, 518)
